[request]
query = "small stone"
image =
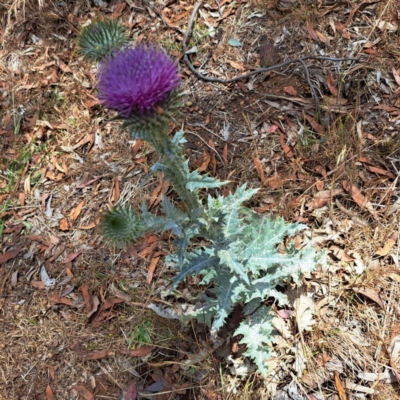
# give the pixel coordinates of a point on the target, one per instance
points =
(201, 112)
(189, 104)
(207, 88)
(222, 108)
(197, 108)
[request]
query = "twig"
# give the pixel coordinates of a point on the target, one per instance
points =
(313, 92)
(158, 12)
(210, 147)
(251, 133)
(259, 71)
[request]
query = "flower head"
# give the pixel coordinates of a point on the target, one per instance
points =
(121, 225)
(137, 80)
(101, 38)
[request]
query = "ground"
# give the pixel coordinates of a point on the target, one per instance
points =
(323, 150)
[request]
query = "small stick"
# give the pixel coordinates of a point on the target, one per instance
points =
(158, 12)
(259, 71)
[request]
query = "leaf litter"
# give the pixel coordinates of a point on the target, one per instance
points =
(334, 168)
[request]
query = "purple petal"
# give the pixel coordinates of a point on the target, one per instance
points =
(137, 80)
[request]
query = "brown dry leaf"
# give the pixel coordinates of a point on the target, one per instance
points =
(380, 171)
(38, 285)
(370, 164)
(334, 101)
(396, 75)
(226, 13)
(322, 305)
(147, 250)
(290, 90)
(51, 371)
(120, 294)
(71, 257)
(274, 181)
(304, 307)
(323, 197)
(85, 393)
(83, 185)
(131, 392)
(75, 212)
(180, 389)
(330, 81)
(164, 14)
(140, 352)
(312, 33)
(319, 185)
(49, 393)
(203, 162)
(321, 170)
(343, 31)
(152, 268)
(86, 297)
(288, 151)
(339, 387)
(225, 154)
(27, 184)
(386, 107)
(110, 302)
(61, 64)
(340, 254)
(98, 355)
(340, 170)
(259, 168)
(178, 17)
(358, 197)
(385, 250)
(64, 224)
(9, 255)
(118, 10)
(371, 294)
(116, 193)
(158, 193)
(136, 147)
(321, 37)
(96, 303)
(236, 65)
(56, 298)
(86, 227)
(53, 177)
(386, 25)
(351, 15)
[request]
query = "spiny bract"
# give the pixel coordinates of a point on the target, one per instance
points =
(100, 39)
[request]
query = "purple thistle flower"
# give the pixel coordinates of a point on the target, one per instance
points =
(137, 80)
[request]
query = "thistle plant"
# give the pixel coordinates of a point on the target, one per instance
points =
(238, 257)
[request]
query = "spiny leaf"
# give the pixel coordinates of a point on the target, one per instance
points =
(257, 333)
(195, 181)
(195, 263)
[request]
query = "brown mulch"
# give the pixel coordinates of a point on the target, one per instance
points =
(333, 167)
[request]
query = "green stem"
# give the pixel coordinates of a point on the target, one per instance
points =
(171, 156)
